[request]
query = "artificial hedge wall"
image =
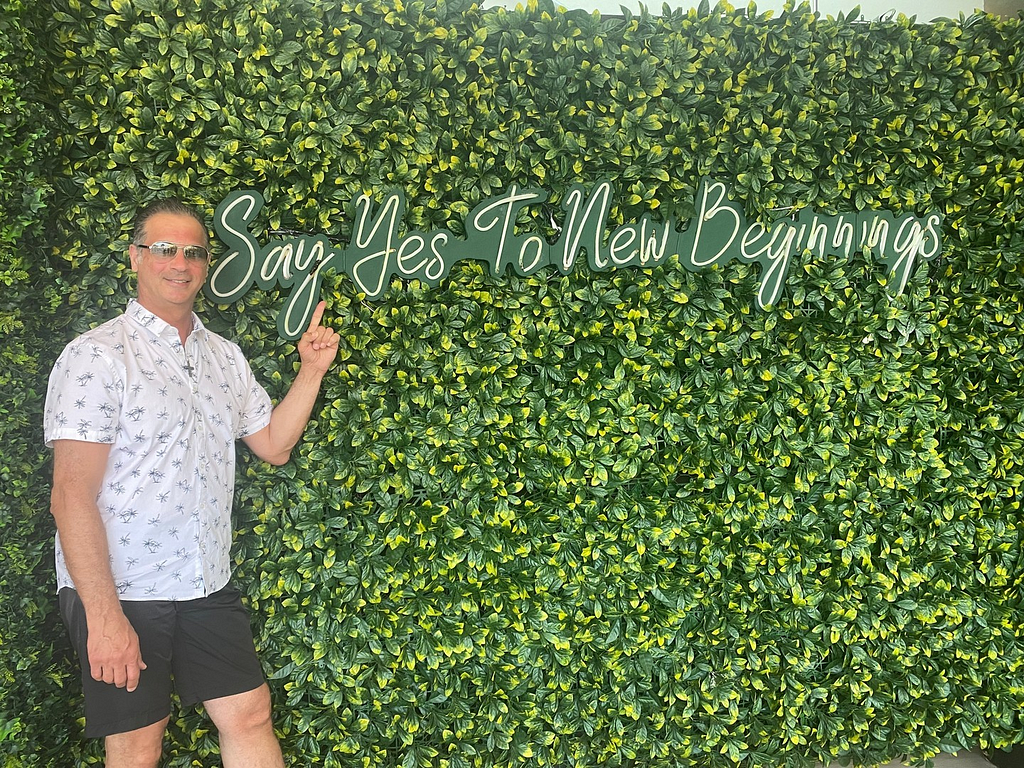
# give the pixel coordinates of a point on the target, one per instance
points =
(26, 296)
(616, 519)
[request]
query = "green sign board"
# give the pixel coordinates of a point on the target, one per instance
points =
(379, 251)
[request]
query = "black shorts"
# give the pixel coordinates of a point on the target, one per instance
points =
(205, 645)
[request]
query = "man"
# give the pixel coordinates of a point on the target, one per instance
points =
(142, 414)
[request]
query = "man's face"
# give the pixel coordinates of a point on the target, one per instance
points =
(169, 287)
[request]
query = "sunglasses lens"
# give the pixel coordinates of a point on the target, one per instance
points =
(163, 250)
(195, 253)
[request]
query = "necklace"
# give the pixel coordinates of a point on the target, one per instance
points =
(188, 363)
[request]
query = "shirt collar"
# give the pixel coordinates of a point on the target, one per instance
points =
(146, 319)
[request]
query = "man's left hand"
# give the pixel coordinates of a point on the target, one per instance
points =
(319, 344)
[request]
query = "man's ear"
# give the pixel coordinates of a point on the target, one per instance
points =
(133, 256)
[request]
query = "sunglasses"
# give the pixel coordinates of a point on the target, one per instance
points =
(166, 251)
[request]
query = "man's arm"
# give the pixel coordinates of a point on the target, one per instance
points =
(317, 350)
(113, 646)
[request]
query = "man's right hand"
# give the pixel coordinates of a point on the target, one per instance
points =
(114, 655)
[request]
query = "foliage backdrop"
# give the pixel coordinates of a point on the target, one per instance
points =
(27, 296)
(618, 519)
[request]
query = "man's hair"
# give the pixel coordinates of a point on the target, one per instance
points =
(166, 205)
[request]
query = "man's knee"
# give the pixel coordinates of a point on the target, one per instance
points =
(242, 713)
(141, 748)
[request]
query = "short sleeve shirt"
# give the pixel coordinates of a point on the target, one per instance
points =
(171, 413)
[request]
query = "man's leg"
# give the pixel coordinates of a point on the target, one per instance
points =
(216, 664)
(136, 749)
(132, 724)
(247, 738)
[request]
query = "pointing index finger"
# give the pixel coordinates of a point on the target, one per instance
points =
(317, 314)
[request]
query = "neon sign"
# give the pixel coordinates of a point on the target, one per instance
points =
(378, 251)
